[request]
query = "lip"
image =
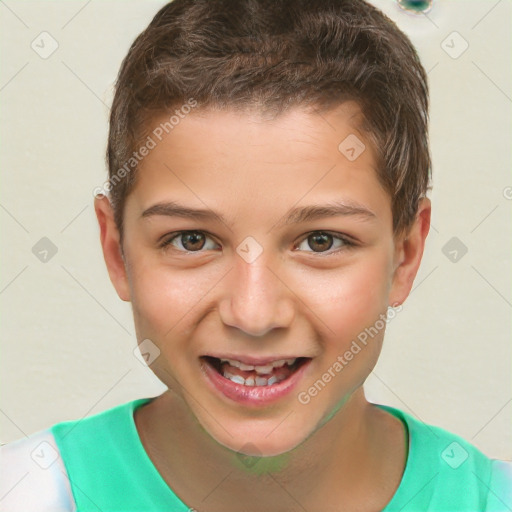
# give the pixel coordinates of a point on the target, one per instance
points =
(252, 396)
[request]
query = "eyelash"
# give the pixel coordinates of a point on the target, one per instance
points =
(348, 243)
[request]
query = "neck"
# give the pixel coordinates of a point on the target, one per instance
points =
(342, 454)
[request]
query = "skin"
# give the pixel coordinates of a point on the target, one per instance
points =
(336, 449)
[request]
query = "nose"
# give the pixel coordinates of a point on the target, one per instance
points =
(256, 299)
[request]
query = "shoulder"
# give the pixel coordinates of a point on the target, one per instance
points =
(441, 449)
(454, 474)
(500, 486)
(33, 477)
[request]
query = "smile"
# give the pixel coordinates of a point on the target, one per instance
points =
(252, 381)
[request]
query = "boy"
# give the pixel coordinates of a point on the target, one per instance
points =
(243, 136)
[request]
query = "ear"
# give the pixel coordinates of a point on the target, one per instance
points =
(110, 242)
(408, 252)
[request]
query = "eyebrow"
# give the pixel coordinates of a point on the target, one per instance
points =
(335, 209)
(294, 216)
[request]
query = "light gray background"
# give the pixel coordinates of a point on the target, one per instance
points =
(67, 340)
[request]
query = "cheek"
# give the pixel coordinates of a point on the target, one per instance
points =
(162, 300)
(350, 299)
(354, 310)
(165, 310)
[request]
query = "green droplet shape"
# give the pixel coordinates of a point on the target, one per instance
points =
(415, 5)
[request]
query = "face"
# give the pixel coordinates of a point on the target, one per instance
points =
(255, 299)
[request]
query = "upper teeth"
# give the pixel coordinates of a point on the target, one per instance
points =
(259, 369)
(250, 381)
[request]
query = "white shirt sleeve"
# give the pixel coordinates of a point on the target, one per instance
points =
(33, 477)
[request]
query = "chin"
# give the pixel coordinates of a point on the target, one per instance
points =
(261, 438)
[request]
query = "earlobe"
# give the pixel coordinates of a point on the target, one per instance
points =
(110, 243)
(408, 254)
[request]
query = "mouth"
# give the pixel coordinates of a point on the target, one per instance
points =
(256, 375)
(254, 381)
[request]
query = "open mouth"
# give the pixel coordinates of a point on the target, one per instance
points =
(250, 375)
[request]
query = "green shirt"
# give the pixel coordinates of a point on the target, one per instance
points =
(109, 469)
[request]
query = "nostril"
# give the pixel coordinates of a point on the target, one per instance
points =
(417, 6)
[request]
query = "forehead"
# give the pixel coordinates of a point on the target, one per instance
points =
(226, 158)
(250, 131)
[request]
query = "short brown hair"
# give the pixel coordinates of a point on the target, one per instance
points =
(272, 55)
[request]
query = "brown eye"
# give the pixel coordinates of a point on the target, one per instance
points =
(193, 241)
(188, 241)
(321, 242)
